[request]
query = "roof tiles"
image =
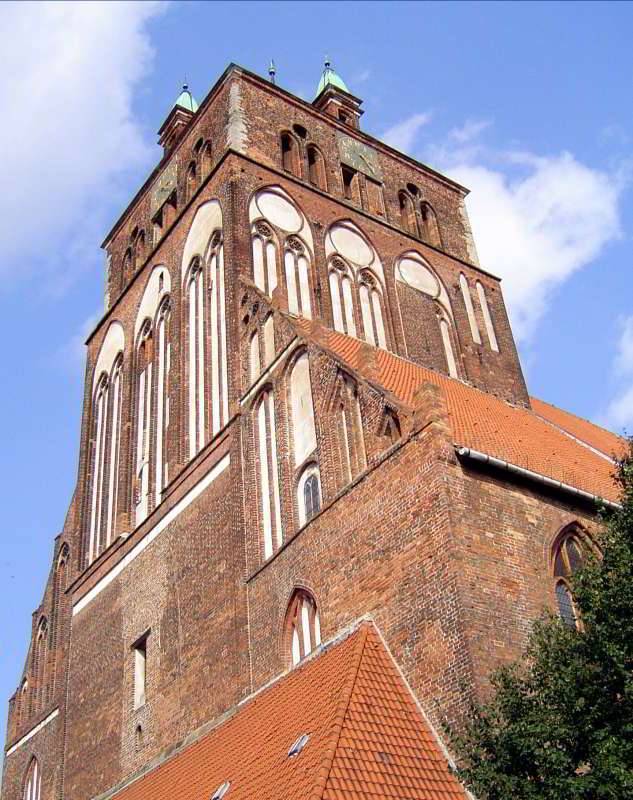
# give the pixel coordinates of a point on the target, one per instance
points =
(368, 738)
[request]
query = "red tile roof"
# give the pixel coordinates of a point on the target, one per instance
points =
(480, 420)
(606, 441)
(368, 739)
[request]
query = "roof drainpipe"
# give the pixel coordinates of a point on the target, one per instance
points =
(484, 458)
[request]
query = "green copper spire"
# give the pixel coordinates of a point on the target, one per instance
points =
(186, 100)
(330, 78)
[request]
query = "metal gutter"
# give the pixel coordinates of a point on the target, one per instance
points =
(528, 474)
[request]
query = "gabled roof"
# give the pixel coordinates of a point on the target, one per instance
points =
(367, 738)
(483, 422)
(601, 439)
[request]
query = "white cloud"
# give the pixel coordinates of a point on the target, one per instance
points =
(403, 135)
(619, 413)
(71, 356)
(536, 219)
(470, 130)
(69, 131)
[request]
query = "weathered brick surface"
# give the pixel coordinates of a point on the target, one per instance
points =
(452, 563)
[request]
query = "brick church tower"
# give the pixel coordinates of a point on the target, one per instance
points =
(315, 504)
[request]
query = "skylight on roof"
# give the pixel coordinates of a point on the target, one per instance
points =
(221, 791)
(298, 746)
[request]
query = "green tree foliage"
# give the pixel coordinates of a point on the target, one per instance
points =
(560, 723)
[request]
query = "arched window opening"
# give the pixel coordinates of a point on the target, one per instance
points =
(372, 310)
(23, 702)
(191, 180)
(407, 213)
(269, 340)
(567, 559)
(342, 294)
(57, 615)
(490, 330)
(161, 474)
(350, 184)
(206, 160)
(297, 269)
(470, 311)
(430, 229)
(303, 427)
(445, 329)
(264, 259)
(308, 494)
(33, 782)
(350, 431)
(254, 359)
(196, 358)
(126, 270)
(217, 322)
(289, 154)
(99, 443)
(270, 504)
(40, 665)
(316, 168)
(391, 427)
(302, 625)
(144, 411)
(375, 199)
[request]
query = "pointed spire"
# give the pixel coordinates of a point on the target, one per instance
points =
(330, 78)
(272, 71)
(186, 100)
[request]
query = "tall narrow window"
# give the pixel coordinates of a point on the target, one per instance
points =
(445, 330)
(303, 428)
(430, 229)
(140, 671)
(490, 330)
(162, 401)
(195, 359)
(375, 197)
(341, 291)
(114, 447)
(308, 494)
(191, 180)
(269, 340)
(219, 360)
(407, 213)
(264, 259)
(567, 559)
(350, 183)
(100, 415)
(33, 782)
(470, 311)
(303, 626)
(350, 432)
(40, 665)
(270, 504)
(254, 359)
(297, 270)
(144, 396)
(371, 310)
(316, 168)
(289, 154)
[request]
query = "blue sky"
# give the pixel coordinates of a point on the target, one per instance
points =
(528, 104)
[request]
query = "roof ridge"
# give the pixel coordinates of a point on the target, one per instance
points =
(346, 696)
(573, 414)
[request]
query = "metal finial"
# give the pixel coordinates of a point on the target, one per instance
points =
(272, 71)
(328, 63)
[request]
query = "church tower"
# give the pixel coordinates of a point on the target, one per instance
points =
(310, 474)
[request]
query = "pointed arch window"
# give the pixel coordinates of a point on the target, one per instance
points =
(297, 269)
(309, 494)
(316, 168)
(407, 213)
(302, 625)
(445, 330)
(350, 431)
(342, 293)
(59, 605)
(192, 179)
(430, 228)
(290, 154)
(144, 410)
(567, 559)
(196, 357)
(371, 306)
(254, 359)
(23, 702)
(40, 665)
(270, 503)
(490, 329)
(470, 311)
(33, 782)
(161, 476)
(264, 258)
(217, 323)
(303, 427)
